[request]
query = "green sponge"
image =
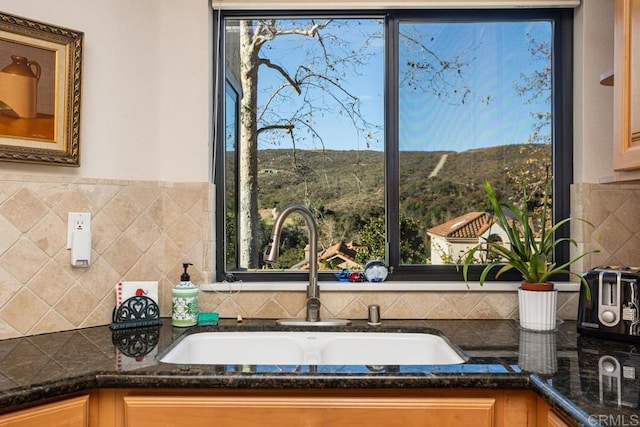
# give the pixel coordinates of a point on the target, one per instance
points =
(208, 319)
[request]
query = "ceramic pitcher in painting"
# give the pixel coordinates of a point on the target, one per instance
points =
(19, 86)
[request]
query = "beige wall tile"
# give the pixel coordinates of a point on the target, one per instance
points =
(399, 310)
(186, 196)
(292, 302)
(271, 310)
(123, 254)
(9, 286)
(173, 258)
(443, 310)
(504, 303)
(335, 302)
(164, 294)
(23, 210)
(250, 302)
(51, 283)
(101, 315)
(142, 195)
(99, 194)
(51, 192)
(23, 259)
(484, 310)
(73, 201)
(383, 299)
(50, 234)
(145, 231)
(51, 322)
(628, 213)
(122, 209)
(612, 233)
(422, 302)
(171, 211)
(103, 232)
(629, 252)
(76, 305)
(185, 233)
(209, 301)
(23, 311)
(464, 302)
(8, 188)
(9, 234)
(100, 279)
(6, 331)
(354, 310)
(568, 306)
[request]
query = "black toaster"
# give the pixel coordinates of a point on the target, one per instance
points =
(613, 311)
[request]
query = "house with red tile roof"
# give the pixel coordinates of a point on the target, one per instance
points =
(340, 255)
(452, 239)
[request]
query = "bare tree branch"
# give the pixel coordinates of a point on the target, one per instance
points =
(287, 128)
(283, 73)
(443, 78)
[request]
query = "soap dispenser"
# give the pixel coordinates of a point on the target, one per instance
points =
(185, 301)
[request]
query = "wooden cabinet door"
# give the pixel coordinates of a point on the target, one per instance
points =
(554, 420)
(66, 413)
(547, 417)
(194, 411)
(626, 155)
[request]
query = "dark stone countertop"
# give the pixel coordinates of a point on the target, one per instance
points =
(568, 376)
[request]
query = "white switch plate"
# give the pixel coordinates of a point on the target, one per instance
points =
(77, 219)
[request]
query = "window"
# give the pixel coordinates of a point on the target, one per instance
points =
(385, 127)
(230, 144)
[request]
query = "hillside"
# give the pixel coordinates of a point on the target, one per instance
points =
(348, 181)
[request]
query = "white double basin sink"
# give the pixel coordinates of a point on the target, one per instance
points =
(313, 348)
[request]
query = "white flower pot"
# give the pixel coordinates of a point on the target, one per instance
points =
(537, 309)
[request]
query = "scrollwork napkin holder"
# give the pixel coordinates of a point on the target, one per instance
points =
(136, 312)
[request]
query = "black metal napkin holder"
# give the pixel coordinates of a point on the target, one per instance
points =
(136, 312)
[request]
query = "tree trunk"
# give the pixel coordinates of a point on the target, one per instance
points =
(248, 220)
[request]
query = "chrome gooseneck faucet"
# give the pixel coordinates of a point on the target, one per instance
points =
(313, 290)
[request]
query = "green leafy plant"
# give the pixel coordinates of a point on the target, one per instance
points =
(527, 253)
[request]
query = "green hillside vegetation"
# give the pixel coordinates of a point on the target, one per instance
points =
(346, 188)
(342, 181)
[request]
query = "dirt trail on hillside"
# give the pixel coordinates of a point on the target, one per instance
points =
(439, 166)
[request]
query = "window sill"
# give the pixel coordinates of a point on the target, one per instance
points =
(389, 286)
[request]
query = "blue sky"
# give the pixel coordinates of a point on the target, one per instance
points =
(501, 55)
(497, 53)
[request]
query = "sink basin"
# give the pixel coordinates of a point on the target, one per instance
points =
(313, 348)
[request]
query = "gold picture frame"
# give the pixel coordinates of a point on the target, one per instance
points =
(40, 79)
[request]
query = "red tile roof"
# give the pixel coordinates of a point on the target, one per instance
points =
(345, 251)
(468, 226)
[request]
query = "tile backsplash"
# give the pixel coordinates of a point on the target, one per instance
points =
(140, 231)
(145, 230)
(612, 211)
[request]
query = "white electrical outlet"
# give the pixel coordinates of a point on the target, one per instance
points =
(77, 221)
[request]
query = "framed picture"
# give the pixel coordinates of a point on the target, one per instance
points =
(40, 76)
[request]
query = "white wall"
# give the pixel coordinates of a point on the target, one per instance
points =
(145, 87)
(593, 103)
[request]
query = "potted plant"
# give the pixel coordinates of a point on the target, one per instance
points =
(528, 252)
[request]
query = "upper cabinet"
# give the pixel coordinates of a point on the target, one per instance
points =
(626, 113)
